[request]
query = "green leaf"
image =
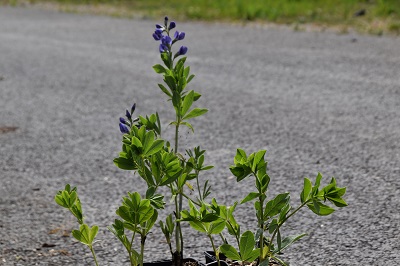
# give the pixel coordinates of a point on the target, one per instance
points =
(246, 245)
(197, 225)
(186, 71)
(83, 235)
(230, 252)
(272, 226)
(274, 206)
(165, 57)
(188, 125)
(145, 213)
(250, 196)
(217, 227)
(155, 147)
(195, 113)
(93, 233)
(253, 255)
(209, 217)
(136, 142)
(208, 167)
(240, 157)
(187, 102)
(124, 164)
(189, 79)
(148, 141)
(59, 199)
(318, 180)
(159, 69)
(338, 202)
(196, 95)
(170, 82)
(165, 90)
(320, 208)
(287, 241)
(257, 158)
(305, 194)
(150, 223)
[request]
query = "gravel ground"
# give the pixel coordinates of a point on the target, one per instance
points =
(318, 102)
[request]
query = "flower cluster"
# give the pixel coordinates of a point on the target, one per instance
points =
(124, 125)
(166, 41)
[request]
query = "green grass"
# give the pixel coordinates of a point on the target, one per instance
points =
(381, 15)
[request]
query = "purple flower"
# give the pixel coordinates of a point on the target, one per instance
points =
(157, 37)
(172, 25)
(124, 129)
(128, 115)
(158, 26)
(182, 51)
(179, 35)
(123, 121)
(159, 31)
(163, 48)
(166, 40)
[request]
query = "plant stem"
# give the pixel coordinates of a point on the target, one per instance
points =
(142, 241)
(130, 247)
(261, 226)
(236, 232)
(94, 255)
(187, 197)
(279, 225)
(215, 250)
(198, 185)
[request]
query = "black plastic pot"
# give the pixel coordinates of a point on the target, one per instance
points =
(170, 262)
(211, 260)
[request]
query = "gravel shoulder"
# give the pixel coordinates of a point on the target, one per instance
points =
(318, 102)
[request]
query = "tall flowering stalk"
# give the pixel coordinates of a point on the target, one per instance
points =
(176, 77)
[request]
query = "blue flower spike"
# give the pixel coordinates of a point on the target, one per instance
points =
(124, 129)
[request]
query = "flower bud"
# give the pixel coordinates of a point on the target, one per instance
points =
(176, 35)
(181, 36)
(123, 121)
(123, 128)
(166, 40)
(158, 26)
(182, 51)
(159, 32)
(156, 37)
(128, 115)
(172, 25)
(163, 48)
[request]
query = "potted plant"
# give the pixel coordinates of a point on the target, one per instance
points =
(160, 163)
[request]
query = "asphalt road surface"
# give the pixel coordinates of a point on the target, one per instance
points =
(318, 102)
